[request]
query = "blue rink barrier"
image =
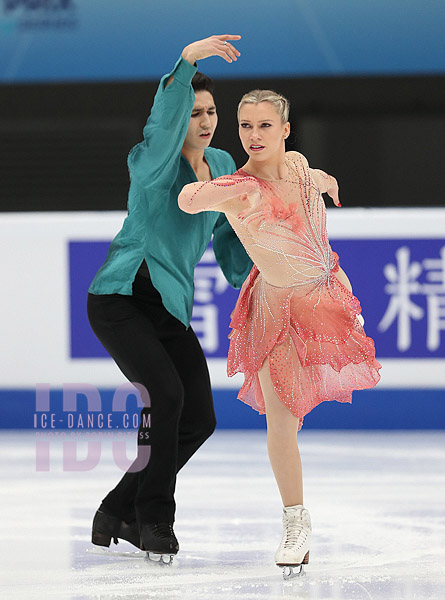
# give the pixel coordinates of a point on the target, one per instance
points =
(370, 409)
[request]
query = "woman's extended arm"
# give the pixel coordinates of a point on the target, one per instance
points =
(326, 184)
(224, 194)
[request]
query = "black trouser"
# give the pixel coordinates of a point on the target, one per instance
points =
(153, 348)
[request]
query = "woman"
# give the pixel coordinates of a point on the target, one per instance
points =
(296, 334)
(140, 302)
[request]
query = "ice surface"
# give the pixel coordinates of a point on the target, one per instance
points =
(377, 502)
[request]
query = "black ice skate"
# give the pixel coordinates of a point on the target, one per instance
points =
(106, 526)
(159, 541)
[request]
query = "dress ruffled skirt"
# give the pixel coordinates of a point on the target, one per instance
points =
(317, 349)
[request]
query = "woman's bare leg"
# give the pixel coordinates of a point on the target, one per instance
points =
(284, 455)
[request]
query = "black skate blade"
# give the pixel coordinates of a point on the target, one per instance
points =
(163, 560)
(293, 572)
(112, 553)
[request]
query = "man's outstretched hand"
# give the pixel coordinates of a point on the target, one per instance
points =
(215, 45)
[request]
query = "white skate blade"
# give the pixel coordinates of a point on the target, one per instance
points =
(293, 571)
(161, 559)
(101, 551)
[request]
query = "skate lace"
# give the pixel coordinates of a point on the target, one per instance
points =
(163, 530)
(295, 531)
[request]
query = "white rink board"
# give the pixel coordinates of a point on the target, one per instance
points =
(35, 330)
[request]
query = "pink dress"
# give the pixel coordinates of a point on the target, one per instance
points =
(292, 309)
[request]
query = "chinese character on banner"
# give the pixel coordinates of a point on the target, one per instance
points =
(209, 282)
(435, 292)
(404, 282)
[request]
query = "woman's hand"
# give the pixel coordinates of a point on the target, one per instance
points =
(215, 45)
(250, 203)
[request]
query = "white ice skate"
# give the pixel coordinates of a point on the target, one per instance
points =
(293, 551)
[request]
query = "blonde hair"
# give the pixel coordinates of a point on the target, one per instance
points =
(279, 102)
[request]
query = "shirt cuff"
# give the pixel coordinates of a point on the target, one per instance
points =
(183, 71)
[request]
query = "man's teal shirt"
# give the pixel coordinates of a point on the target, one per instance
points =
(170, 240)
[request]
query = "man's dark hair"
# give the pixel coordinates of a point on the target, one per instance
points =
(202, 83)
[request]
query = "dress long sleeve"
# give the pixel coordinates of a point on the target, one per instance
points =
(323, 180)
(222, 194)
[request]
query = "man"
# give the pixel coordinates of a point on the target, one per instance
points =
(140, 302)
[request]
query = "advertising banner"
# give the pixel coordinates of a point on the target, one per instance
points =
(109, 40)
(401, 285)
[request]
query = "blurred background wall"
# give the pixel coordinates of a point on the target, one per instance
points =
(366, 81)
